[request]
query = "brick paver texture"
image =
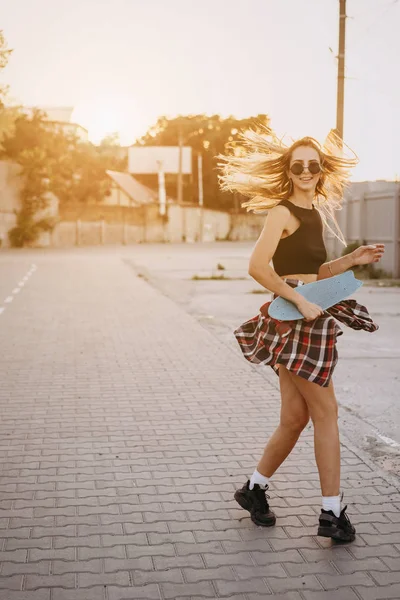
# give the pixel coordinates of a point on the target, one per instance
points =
(126, 427)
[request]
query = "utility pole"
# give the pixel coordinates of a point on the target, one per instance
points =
(201, 195)
(180, 183)
(341, 75)
(340, 91)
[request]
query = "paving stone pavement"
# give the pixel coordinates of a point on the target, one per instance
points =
(126, 427)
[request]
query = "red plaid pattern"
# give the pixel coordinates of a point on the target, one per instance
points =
(307, 349)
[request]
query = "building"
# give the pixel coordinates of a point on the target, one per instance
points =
(128, 191)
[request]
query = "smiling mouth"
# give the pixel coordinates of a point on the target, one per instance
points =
(308, 179)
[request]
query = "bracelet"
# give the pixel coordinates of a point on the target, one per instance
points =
(330, 269)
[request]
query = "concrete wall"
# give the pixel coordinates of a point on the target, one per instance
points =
(94, 225)
(371, 214)
(210, 225)
(117, 222)
(65, 234)
(246, 227)
(194, 224)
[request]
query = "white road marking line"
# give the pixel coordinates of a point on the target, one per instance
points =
(389, 441)
(16, 290)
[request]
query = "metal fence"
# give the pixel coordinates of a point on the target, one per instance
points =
(371, 214)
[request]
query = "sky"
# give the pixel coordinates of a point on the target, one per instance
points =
(124, 63)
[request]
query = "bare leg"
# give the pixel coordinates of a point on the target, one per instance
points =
(323, 409)
(294, 417)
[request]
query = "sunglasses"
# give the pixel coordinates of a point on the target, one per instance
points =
(313, 166)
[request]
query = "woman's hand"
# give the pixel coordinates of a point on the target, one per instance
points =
(365, 255)
(309, 310)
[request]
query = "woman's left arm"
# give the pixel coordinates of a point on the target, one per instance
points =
(363, 255)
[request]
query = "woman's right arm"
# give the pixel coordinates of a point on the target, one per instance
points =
(260, 269)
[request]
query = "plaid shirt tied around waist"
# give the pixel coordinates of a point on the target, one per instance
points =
(307, 349)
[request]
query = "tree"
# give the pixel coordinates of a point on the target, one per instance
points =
(8, 114)
(54, 161)
(111, 140)
(51, 160)
(207, 135)
(4, 57)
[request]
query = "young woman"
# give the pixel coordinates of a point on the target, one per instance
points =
(300, 186)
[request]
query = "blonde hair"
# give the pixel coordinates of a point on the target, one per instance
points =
(258, 168)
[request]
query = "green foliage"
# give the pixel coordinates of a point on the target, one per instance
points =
(53, 161)
(351, 247)
(4, 51)
(4, 57)
(27, 230)
(8, 117)
(75, 170)
(214, 277)
(208, 135)
(369, 271)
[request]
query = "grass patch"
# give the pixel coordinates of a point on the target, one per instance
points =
(259, 292)
(382, 282)
(216, 278)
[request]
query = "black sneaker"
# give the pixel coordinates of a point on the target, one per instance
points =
(255, 501)
(337, 528)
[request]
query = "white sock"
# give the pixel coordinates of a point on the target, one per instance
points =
(258, 478)
(331, 503)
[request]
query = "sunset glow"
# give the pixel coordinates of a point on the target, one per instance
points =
(124, 67)
(104, 118)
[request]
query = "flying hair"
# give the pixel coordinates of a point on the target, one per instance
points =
(257, 167)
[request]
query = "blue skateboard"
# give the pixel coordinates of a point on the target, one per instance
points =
(325, 293)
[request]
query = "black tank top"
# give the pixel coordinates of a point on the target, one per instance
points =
(304, 251)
